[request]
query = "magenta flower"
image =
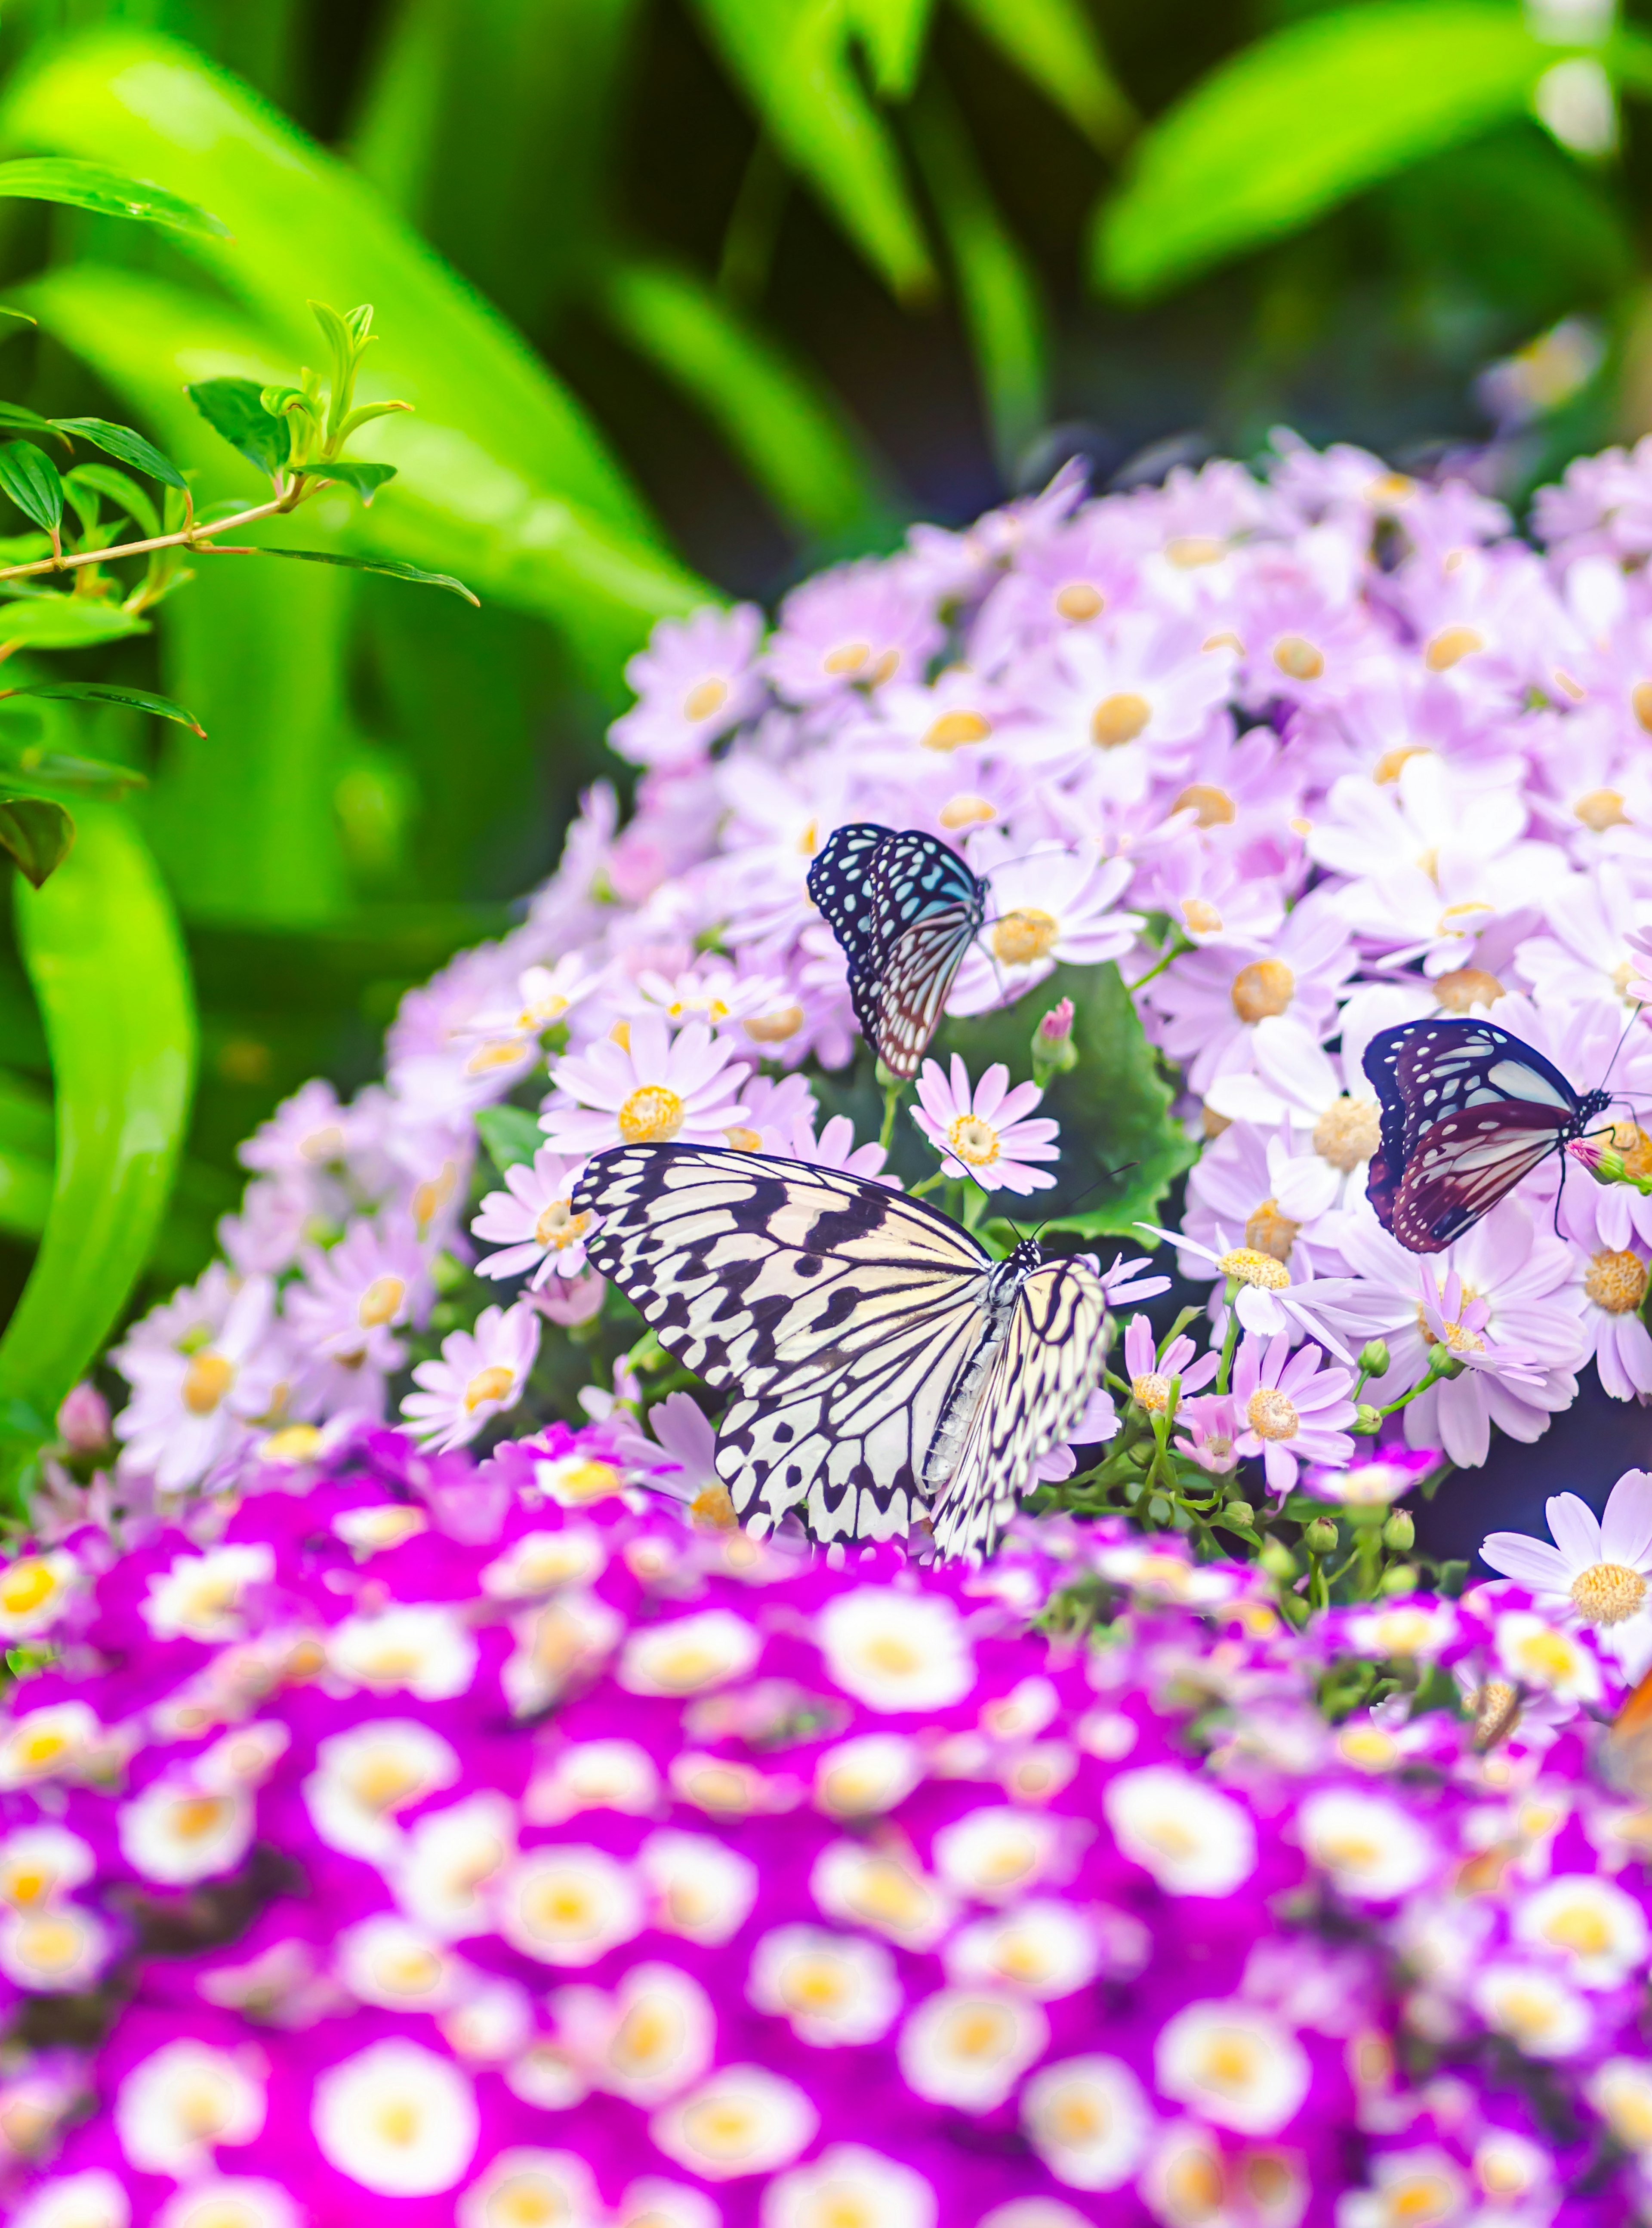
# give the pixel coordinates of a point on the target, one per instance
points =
(984, 1134)
(1291, 1409)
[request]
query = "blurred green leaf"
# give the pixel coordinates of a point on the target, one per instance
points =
(235, 408)
(60, 622)
(1299, 121)
(128, 498)
(789, 434)
(126, 447)
(36, 832)
(103, 952)
(108, 692)
(385, 565)
(999, 289)
(20, 420)
(91, 186)
(366, 480)
(511, 1134)
(29, 477)
(791, 58)
(25, 1193)
(1054, 44)
(893, 32)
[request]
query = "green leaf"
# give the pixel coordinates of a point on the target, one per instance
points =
(395, 571)
(235, 408)
(103, 952)
(92, 186)
(29, 477)
(128, 498)
(1053, 43)
(37, 833)
(25, 1193)
(791, 59)
(791, 437)
(893, 32)
(60, 622)
(351, 473)
(1114, 1107)
(111, 691)
(1299, 122)
(126, 447)
(28, 421)
(511, 1134)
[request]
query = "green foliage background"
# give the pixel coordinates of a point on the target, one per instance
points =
(689, 296)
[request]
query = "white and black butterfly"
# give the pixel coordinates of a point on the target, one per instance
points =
(887, 1370)
(1467, 1111)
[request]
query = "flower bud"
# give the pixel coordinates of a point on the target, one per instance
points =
(1054, 1050)
(1441, 1362)
(83, 1420)
(1240, 1513)
(1399, 1533)
(1399, 1578)
(1373, 1357)
(1604, 1163)
(1320, 1536)
(1277, 1560)
(1367, 1421)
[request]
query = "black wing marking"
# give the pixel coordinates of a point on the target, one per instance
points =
(1462, 1166)
(905, 908)
(836, 882)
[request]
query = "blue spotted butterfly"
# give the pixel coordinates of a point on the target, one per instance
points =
(1467, 1111)
(905, 908)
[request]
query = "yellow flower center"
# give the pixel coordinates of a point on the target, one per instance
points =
(1213, 807)
(967, 810)
(1188, 551)
(1451, 646)
(1249, 1266)
(1386, 768)
(775, 1028)
(1452, 1335)
(1347, 1132)
(1453, 921)
(491, 1384)
(1118, 719)
(543, 1011)
(299, 1441)
(713, 1509)
(1465, 987)
(1580, 1928)
(1264, 988)
(1272, 1413)
(1297, 658)
(206, 1379)
(1150, 1391)
(1079, 601)
(1601, 809)
(1267, 1231)
(26, 1585)
(1390, 489)
(559, 1226)
(397, 2123)
(1639, 699)
(501, 1052)
(1615, 1281)
(380, 1303)
(1025, 935)
(1494, 1708)
(326, 1144)
(706, 697)
(973, 1140)
(1633, 1147)
(1607, 1593)
(651, 1115)
(953, 729)
(848, 657)
(1201, 917)
(740, 1139)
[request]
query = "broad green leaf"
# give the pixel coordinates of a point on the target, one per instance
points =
(1114, 1107)
(1053, 43)
(103, 952)
(63, 622)
(396, 571)
(363, 479)
(111, 691)
(511, 1134)
(125, 446)
(789, 436)
(25, 1193)
(32, 769)
(91, 186)
(1299, 121)
(26, 1125)
(893, 32)
(791, 59)
(29, 477)
(996, 284)
(235, 408)
(127, 497)
(36, 832)
(14, 415)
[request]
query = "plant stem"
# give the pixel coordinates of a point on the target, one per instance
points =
(1230, 1337)
(892, 1094)
(192, 535)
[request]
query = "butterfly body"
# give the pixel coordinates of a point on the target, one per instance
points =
(1467, 1111)
(905, 908)
(887, 1371)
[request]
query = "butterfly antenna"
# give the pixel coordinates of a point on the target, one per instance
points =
(1621, 1042)
(1106, 1176)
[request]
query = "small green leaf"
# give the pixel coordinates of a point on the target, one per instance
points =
(37, 833)
(128, 498)
(60, 622)
(390, 565)
(893, 32)
(511, 1134)
(235, 408)
(111, 692)
(125, 446)
(38, 772)
(29, 477)
(351, 473)
(1053, 43)
(93, 186)
(20, 420)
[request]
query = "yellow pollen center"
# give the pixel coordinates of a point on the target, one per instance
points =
(1272, 1413)
(1386, 768)
(1213, 807)
(953, 729)
(26, 1585)
(706, 697)
(973, 1140)
(1639, 699)
(206, 1379)
(967, 810)
(1201, 917)
(1118, 719)
(1633, 1147)
(1190, 551)
(774, 1028)
(398, 2124)
(195, 1815)
(1347, 1132)
(1297, 658)
(1025, 935)
(492, 1384)
(1454, 920)
(1615, 1281)
(1451, 646)
(1267, 1231)
(1264, 988)
(1150, 1391)
(1580, 1928)
(1078, 601)
(1601, 809)
(848, 657)
(559, 1226)
(1391, 489)
(380, 1303)
(740, 1139)
(1465, 987)
(1248, 1266)
(1607, 1593)
(651, 1115)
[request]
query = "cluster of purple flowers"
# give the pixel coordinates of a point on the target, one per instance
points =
(490, 1843)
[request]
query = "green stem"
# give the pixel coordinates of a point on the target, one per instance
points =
(894, 1092)
(928, 1185)
(1176, 946)
(1230, 1338)
(754, 224)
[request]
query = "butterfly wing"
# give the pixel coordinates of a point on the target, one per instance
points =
(837, 883)
(1049, 1363)
(926, 909)
(842, 1313)
(1467, 1111)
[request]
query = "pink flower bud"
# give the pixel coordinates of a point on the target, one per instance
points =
(1057, 1025)
(83, 1420)
(570, 1300)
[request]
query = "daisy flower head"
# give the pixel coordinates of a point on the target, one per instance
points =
(983, 1133)
(204, 1369)
(653, 1089)
(1124, 705)
(345, 1309)
(1290, 1409)
(859, 626)
(482, 1374)
(1598, 1571)
(532, 1221)
(1047, 904)
(1267, 1299)
(1208, 1003)
(1151, 1374)
(1213, 1424)
(695, 681)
